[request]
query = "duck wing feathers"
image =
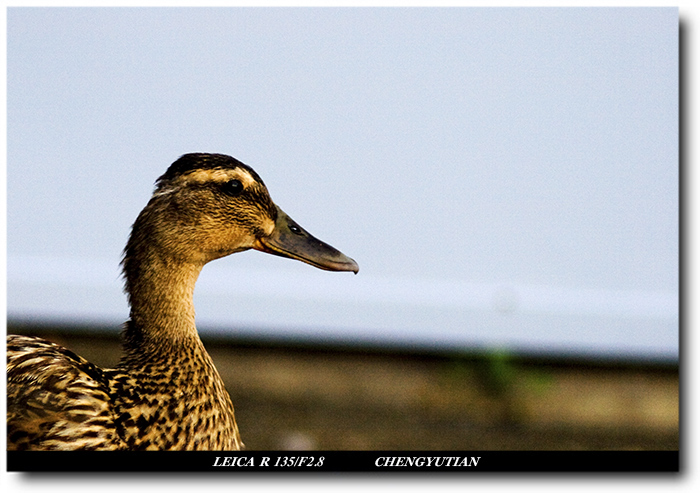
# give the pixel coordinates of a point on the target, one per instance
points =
(57, 400)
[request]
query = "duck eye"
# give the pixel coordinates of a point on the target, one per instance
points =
(232, 187)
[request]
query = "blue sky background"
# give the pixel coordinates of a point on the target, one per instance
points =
(525, 159)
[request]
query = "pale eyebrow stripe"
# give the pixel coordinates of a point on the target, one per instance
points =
(219, 175)
(214, 175)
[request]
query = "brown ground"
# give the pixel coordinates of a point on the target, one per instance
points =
(333, 399)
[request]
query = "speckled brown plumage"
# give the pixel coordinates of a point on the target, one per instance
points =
(165, 393)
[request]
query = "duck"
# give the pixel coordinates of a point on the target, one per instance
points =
(165, 393)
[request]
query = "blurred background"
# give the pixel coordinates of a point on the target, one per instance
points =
(507, 180)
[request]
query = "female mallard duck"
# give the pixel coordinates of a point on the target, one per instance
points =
(165, 393)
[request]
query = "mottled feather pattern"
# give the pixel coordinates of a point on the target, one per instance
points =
(56, 399)
(60, 401)
(175, 402)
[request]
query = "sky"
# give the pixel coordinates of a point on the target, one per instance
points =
(504, 177)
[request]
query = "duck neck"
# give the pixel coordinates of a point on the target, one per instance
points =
(160, 291)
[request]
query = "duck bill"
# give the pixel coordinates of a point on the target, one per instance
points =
(292, 241)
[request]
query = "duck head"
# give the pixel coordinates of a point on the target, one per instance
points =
(207, 206)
